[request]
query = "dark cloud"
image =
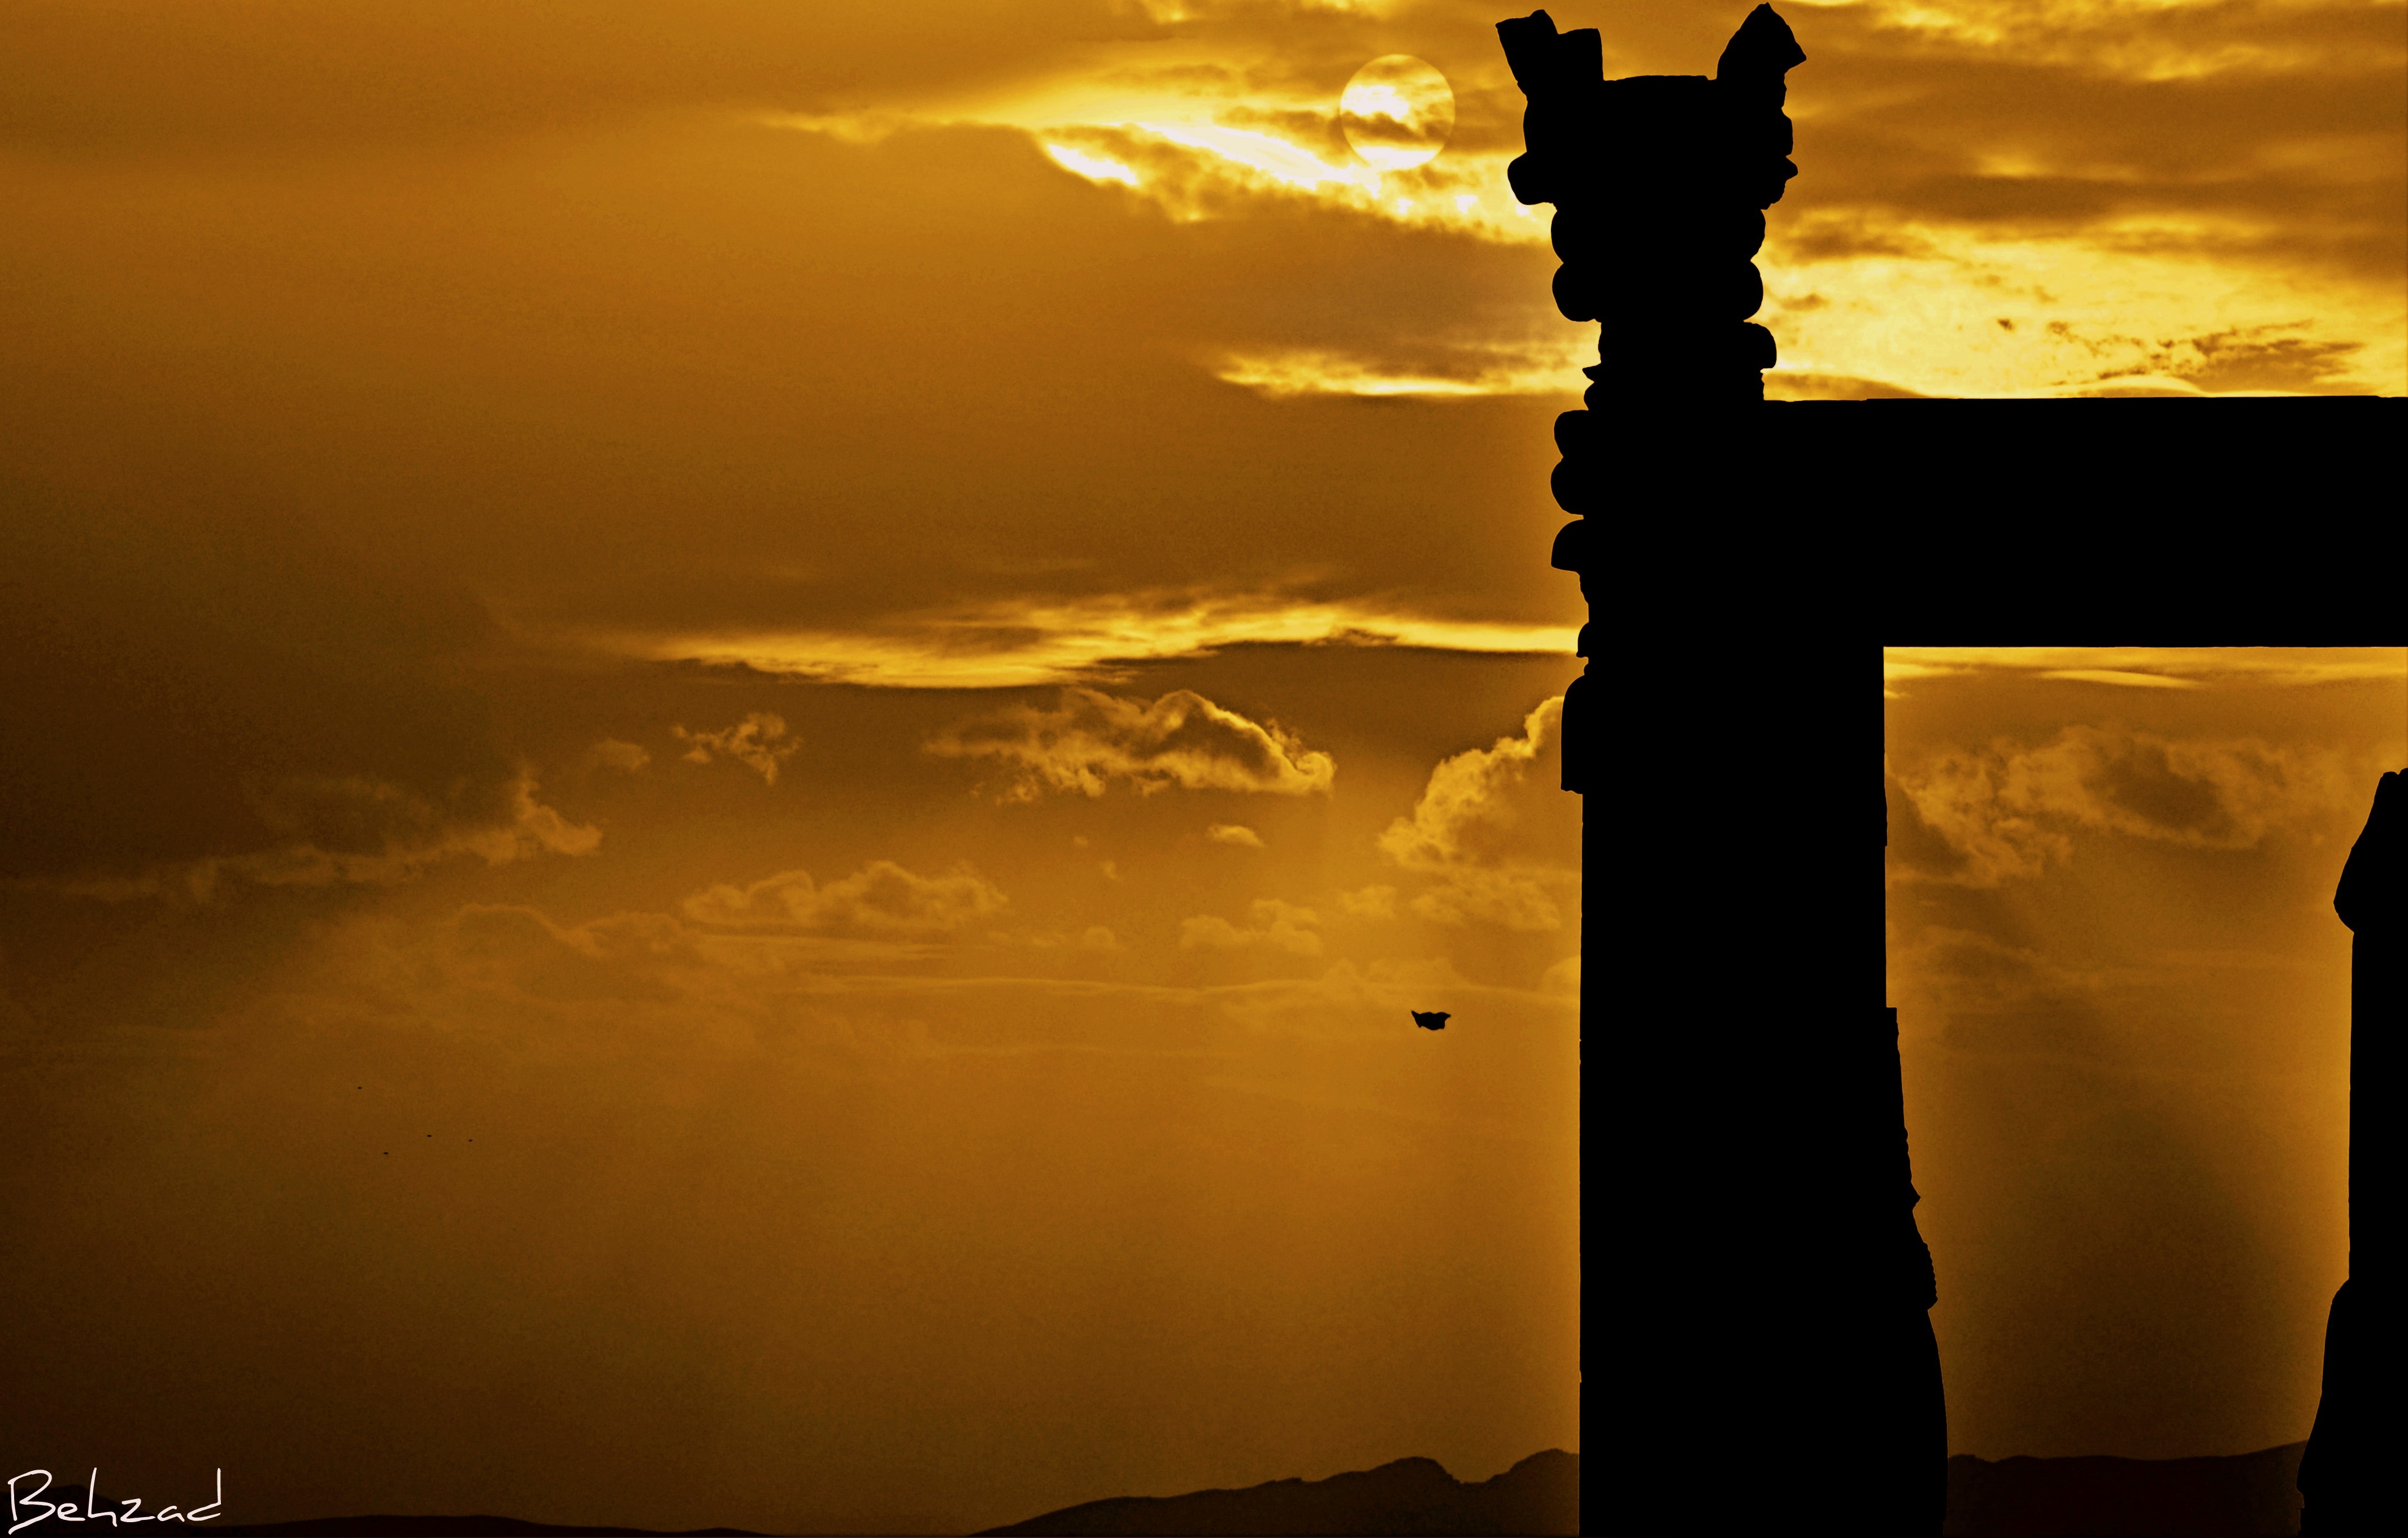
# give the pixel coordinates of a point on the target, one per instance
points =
(1914, 843)
(2173, 101)
(2013, 809)
(188, 697)
(2236, 360)
(708, 375)
(2144, 781)
(1809, 385)
(1824, 235)
(2005, 999)
(2309, 139)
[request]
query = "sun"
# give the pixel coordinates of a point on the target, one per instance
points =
(1397, 112)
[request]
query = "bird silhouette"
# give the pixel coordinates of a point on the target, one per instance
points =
(1434, 1021)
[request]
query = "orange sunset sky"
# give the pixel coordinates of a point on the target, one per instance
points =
(2122, 1002)
(734, 729)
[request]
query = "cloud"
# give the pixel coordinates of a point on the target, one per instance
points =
(1491, 826)
(1244, 156)
(2187, 42)
(2201, 197)
(882, 900)
(1277, 926)
(193, 702)
(1227, 833)
(1182, 740)
(2128, 680)
(1478, 366)
(1981, 971)
(1786, 384)
(1510, 899)
(1014, 643)
(628, 957)
(352, 831)
(2157, 151)
(1978, 817)
(1369, 901)
(1468, 813)
(2002, 999)
(2254, 359)
(615, 754)
(755, 742)
(2158, 667)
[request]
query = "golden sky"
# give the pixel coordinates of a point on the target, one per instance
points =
(2122, 1005)
(880, 645)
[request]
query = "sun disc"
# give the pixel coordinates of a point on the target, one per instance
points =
(1397, 112)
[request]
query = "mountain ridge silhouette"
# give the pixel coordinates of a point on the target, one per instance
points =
(2243, 1493)
(2022, 1497)
(460, 1527)
(1408, 1496)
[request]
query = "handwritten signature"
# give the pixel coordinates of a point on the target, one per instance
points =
(66, 1510)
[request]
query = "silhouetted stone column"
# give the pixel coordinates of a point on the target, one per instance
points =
(2349, 1473)
(1750, 1258)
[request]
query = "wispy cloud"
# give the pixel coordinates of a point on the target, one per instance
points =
(1484, 367)
(1013, 644)
(2154, 667)
(1088, 741)
(1276, 926)
(352, 830)
(882, 898)
(612, 753)
(758, 741)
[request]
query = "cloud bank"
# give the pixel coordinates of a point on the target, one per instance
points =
(2008, 812)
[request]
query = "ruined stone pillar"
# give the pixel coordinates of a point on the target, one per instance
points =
(1749, 1253)
(2349, 1473)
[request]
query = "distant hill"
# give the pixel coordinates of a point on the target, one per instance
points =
(359, 1527)
(2040, 1497)
(2251, 1494)
(455, 1527)
(1541, 1494)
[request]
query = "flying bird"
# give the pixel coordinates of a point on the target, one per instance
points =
(1434, 1021)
